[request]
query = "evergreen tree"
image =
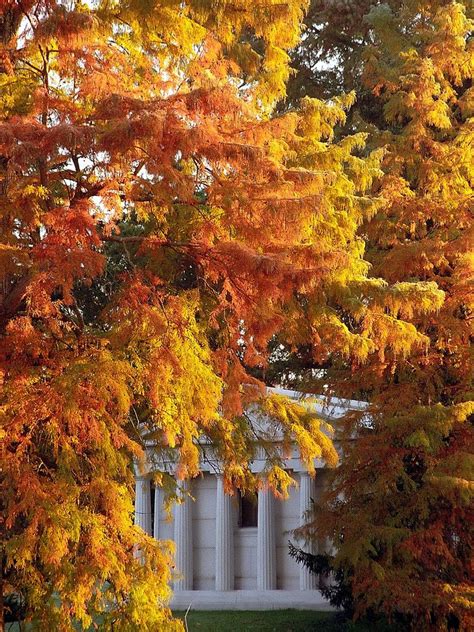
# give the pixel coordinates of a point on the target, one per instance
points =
(400, 510)
(330, 57)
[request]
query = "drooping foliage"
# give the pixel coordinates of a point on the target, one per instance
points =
(158, 226)
(400, 510)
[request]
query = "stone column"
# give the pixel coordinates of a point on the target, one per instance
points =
(224, 539)
(156, 514)
(183, 537)
(143, 503)
(266, 542)
(308, 581)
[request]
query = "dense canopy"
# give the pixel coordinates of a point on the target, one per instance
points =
(403, 532)
(161, 225)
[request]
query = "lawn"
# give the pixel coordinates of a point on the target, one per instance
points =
(266, 621)
(275, 621)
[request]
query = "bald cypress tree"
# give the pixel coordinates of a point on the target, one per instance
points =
(160, 224)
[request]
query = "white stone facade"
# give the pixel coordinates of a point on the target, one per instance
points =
(220, 563)
(213, 552)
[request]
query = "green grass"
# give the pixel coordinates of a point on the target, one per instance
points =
(275, 621)
(267, 621)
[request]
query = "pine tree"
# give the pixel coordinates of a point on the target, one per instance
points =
(400, 510)
(159, 226)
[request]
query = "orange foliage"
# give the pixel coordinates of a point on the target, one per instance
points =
(159, 226)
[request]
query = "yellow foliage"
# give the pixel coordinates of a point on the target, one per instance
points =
(161, 226)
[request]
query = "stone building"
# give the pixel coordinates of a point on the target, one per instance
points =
(232, 551)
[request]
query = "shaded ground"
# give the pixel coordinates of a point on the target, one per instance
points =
(275, 621)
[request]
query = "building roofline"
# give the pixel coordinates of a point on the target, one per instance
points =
(322, 403)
